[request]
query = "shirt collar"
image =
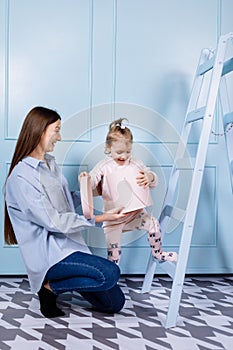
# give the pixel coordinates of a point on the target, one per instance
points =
(36, 162)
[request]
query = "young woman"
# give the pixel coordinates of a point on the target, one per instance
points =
(40, 217)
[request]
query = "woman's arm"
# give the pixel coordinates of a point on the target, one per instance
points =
(110, 215)
(33, 205)
(29, 203)
(76, 197)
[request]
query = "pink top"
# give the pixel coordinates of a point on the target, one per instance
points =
(118, 183)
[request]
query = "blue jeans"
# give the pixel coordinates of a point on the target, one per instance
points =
(94, 277)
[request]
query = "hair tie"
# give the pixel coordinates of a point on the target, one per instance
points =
(121, 125)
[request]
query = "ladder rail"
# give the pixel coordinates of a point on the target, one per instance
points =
(187, 231)
(195, 189)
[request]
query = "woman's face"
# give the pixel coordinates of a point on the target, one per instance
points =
(50, 136)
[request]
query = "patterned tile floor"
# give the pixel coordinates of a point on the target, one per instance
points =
(205, 320)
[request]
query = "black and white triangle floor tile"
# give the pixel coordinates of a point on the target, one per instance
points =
(205, 320)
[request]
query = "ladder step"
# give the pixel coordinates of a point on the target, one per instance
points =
(227, 66)
(227, 119)
(206, 66)
(169, 267)
(173, 212)
(196, 115)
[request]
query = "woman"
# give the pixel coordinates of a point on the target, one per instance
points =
(40, 217)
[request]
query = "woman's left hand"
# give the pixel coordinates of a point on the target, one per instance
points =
(110, 215)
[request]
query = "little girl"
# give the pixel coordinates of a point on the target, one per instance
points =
(119, 178)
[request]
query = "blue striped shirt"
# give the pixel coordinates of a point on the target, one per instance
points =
(42, 212)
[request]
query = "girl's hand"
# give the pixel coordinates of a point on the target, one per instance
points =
(84, 173)
(144, 178)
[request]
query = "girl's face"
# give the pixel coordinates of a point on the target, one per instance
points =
(50, 136)
(121, 151)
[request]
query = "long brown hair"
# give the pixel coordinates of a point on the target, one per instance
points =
(32, 129)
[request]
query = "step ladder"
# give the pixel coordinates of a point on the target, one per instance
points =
(213, 65)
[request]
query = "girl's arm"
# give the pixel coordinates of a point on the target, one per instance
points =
(146, 176)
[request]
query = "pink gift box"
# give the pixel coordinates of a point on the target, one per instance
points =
(125, 192)
(122, 188)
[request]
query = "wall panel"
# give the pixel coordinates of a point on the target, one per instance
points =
(48, 58)
(95, 60)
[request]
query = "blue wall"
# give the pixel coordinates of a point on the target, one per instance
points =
(95, 60)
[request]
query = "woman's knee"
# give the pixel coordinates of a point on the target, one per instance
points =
(120, 301)
(113, 272)
(109, 271)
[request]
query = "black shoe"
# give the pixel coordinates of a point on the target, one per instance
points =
(48, 306)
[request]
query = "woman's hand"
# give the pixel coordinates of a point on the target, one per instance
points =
(144, 178)
(110, 215)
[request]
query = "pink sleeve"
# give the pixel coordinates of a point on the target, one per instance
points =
(142, 166)
(97, 173)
